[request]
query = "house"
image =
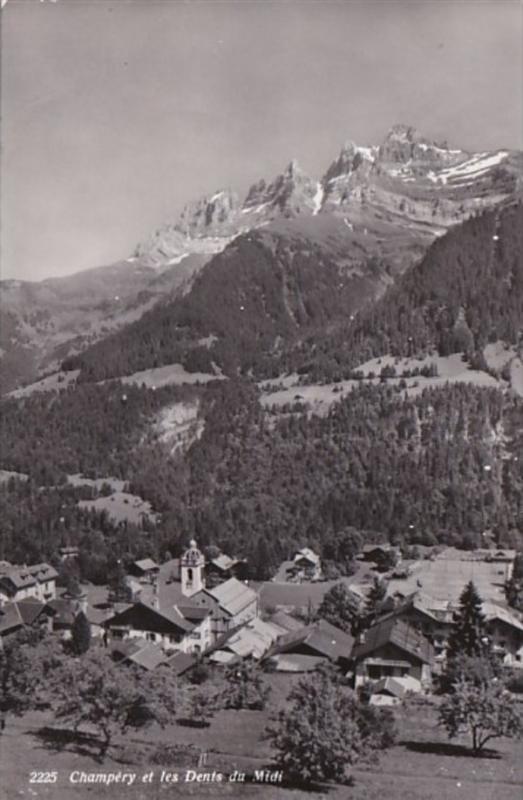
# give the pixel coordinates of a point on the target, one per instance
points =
(306, 565)
(505, 631)
(434, 618)
(167, 627)
(69, 553)
(21, 582)
(252, 640)
(392, 648)
(22, 613)
(231, 603)
(384, 556)
(305, 649)
(223, 567)
(145, 569)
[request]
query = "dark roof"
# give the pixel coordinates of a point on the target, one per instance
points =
(194, 613)
(10, 618)
(397, 632)
(321, 636)
(30, 610)
(147, 617)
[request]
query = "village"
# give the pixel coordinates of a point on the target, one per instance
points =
(188, 610)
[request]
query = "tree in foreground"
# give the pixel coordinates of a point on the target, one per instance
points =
(110, 698)
(485, 711)
(245, 687)
(17, 676)
(325, 730)
(80, 634)
(339, 607)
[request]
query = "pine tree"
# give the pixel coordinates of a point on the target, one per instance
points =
(468, 635)
(80, 634)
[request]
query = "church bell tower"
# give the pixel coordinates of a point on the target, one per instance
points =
(191, 570)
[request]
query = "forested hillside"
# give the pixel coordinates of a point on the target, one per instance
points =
(251, 299)
(440, 467)
(467, 291)
(265, 309)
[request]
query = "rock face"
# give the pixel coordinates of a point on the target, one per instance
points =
(376, 208)
(409, 186)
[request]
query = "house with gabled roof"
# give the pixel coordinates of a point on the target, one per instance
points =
(21, 582)
(167, 627)
(21, 614)
(231, 603)
(392, 648)
(305, 649)
(505, 631)
(251, 640)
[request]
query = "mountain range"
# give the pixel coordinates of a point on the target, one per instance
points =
(305, 251)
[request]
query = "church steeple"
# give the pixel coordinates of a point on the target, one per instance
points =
(191, 567)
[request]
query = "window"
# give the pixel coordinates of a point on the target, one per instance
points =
(151, 637)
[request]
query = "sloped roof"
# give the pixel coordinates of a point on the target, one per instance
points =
(30, 610)
(254, 639)
(308, 554)
(321, 636)
(170, 616)
(193, 613)
(149, 656)
(285, 621)
(42, 572)
(389, 685)
(296, 662)
(181, 662)
(223, 561)
(233, 595)
(495, 611)
(10, 618)
(146, 564)
(398, 632)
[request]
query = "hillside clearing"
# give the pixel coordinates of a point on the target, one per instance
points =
(122, 507)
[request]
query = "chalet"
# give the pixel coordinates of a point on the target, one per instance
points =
(168, 628)
(433, 618)
(69, 553)
(252, 640)
(223, 567)
(20, 614)
(505, 632)
(232, 603)
(145, 569)
(384, 556)
(306, 649)
(21, 582)
(306, 565)
(392, 648)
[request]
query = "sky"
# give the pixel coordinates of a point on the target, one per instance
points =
(114, 114)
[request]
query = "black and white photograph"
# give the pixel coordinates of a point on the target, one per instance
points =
(261, 399)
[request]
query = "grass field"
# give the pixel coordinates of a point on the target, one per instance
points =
(422, 766)
(122, 506)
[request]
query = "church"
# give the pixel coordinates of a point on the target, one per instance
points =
(186, 616)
